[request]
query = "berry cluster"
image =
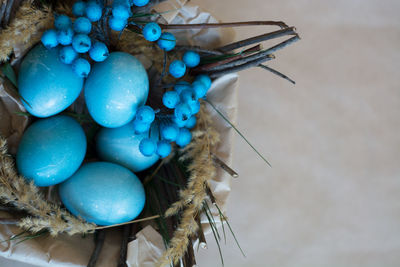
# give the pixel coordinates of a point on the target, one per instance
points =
(184, 99)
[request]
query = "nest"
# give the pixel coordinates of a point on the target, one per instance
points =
(178, 188)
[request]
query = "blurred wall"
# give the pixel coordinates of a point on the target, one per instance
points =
(332, 196)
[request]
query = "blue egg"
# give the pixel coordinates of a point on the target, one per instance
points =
(121, 146)
(51, 150)
(191, 59)
(115, 89)
(46, 84)
(103, 193)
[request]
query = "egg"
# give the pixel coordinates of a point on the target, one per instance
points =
(121, 145)
(115, 88)
(103, 193)
(46, 85)
(51, 150)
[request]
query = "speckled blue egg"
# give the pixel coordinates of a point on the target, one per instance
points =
(115, 88)
(121, 145)
(46, 84)
(51, 150)
(103, 193)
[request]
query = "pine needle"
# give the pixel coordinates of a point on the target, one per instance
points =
(230, 228)
(236, 129)
(215, 235)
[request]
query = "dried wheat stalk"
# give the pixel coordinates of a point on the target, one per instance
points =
(17, 191)
(201, 169)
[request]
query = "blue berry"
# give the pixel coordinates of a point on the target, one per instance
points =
(117, 24)
(169, 131)
(62, 22)
(147, 147)
(64, 37)
(93, 11)
(177, 68)
(81, 43)
(167, 41)
(183, 111)
(79, 8)
(81, 67)
(188, 96)
(145, 114)
(195, 107)
(140, 127)
(67, 54)
(151, 31)
(199, 88)
(191, 59)
(178, 122)
(82, 25)
(182, 85)
(184, 137)
(98, 52)
(204, 79)
(140, 2)
(49, 39)
(170, 99)
(163, 148)
(121, 11)
(191, 122)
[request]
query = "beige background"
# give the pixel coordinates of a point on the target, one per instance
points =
(332, 197)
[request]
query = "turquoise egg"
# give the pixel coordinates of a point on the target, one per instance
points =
(121, 145)
(46, 85)
(115, 88)
(51, 150)
(103, 193)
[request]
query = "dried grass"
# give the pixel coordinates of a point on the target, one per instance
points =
(202, 170)
(17, 191)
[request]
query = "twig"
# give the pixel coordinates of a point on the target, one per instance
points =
(283, 44)
(151, 176)
(8, 221)
(124, 246)
(229, 59)
(200, 234)
(277, 73)
(190, 254)
(134, 221)
(241, 61)
(99, 238)
(223, 25)
(198, 49)
(224, 166)
(210, 194)
(247, 65)
(257, 39)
